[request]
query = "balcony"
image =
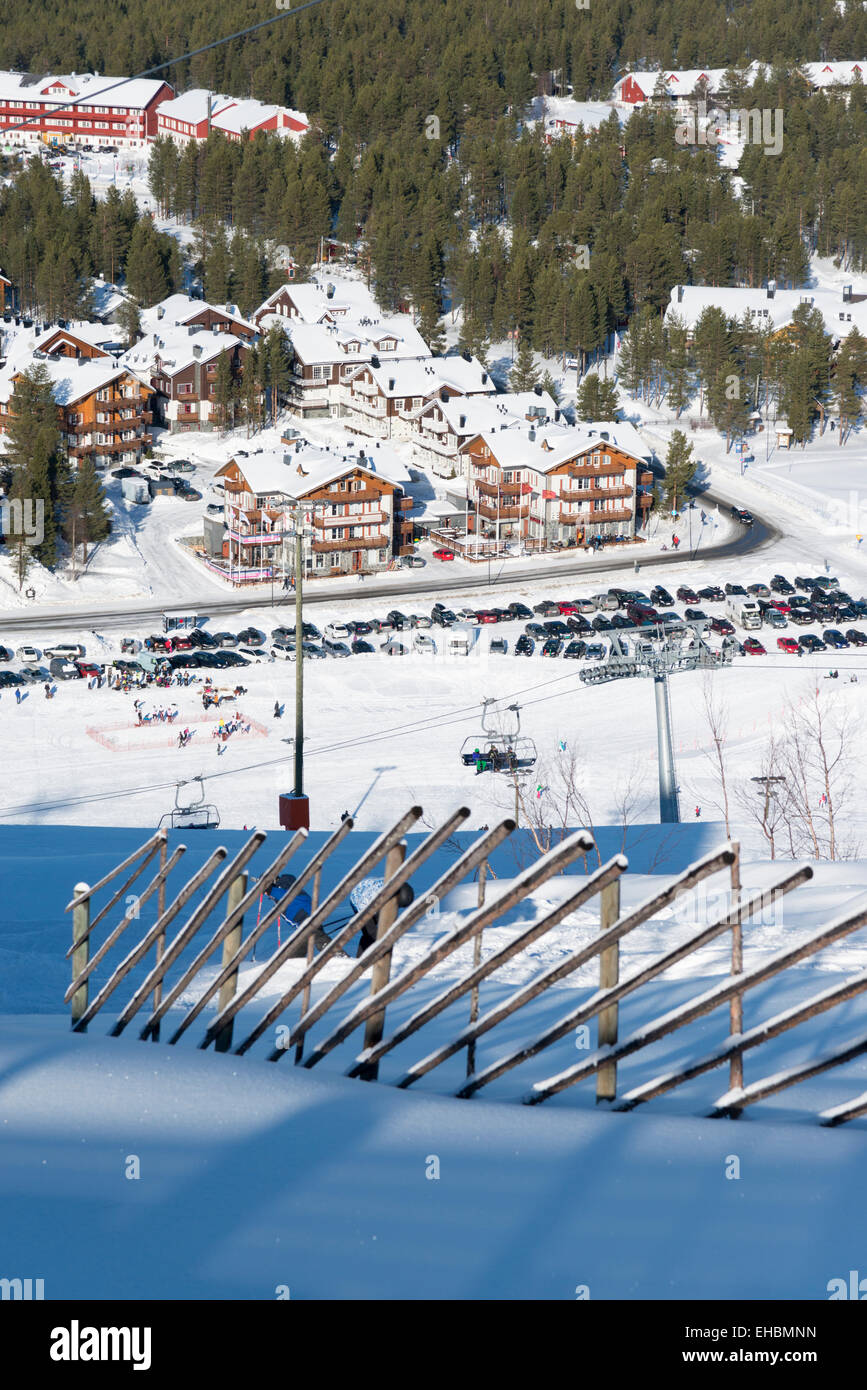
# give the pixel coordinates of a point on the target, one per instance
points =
(328, 523)
(121, 402)
(359, 543)
(505, 489)
(593, 470)
(492, 512)
(585, 494)
(345, 494)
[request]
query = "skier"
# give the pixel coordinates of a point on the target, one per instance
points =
(277, 709)
(697, 812)
(362, 894)
(17, 696)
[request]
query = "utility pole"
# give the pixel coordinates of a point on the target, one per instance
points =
(299, 657)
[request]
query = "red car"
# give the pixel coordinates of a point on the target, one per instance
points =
(484, 615)
(87, 669)
(780, 605)
(687, 595)
(181, 643)
(722, 625)
(567, 606)
(753, 647)
(789, 645)
(444, 554)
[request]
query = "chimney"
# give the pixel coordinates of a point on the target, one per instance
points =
(772, 289)
(391, 383)
(484, 378)
(680, 294)
(462, 420)
(538, 390)
(197, 349)
(329, 291)
(161, 313)
(847, 294)
(531, 434)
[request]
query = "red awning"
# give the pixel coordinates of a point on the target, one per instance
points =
(525, 489)
(548, 494)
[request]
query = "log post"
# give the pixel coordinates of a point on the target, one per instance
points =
(382, 969)
(609, 974)
(305, 997)
(477, 958)
(161, 939)
(81, 942)
(231, 944)
(736, 1007)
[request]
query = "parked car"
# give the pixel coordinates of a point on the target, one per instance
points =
(802, 614)
(722, 626)
(686, 594)
(485, 615)
(781, 585)
(416, 620)
(695, 615)
(759, 590)
(519, 610)
(255, 654)
(712, 594)
(88, 669)
(62, 669)
(579, 624)
(226, 639)
(29, 654)
(537, 631)
(620, 622)
(69, 650)
(547, 608)
(499, 646)
(855, 637)
(11, 678)
(737, 589)
(284, 651)
(789, 645)
(468, 615)
(772, 617)
(337, 632)
(552, 647)
(595, 652)
(556, 628)
(412, 562)
(251, 637)
(602, 623)
(442, 554)
(525, 646)
(359, 628)
(424, 644)
(753, 647)
(34, 675)
(394, 648)
(566, 606)
(742, 515)
(6, 654)
(575, 649)
(811, 643)
(359, 647)
(199, 638)
(661, 598)
(833, 637)
(335, 648)
(311, 650)
(442, 617)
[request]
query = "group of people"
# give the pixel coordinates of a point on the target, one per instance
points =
(155, 716)
(211, 696)
(226, 727)
(184, 737)
(495, 760)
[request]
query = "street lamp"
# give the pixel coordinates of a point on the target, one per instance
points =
(295, 806)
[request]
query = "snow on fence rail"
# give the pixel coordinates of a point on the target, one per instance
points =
(224, 895)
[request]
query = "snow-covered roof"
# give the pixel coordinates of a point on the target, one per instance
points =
(469, 416)
(429, 375)
(250, 115)
(315, 343)
(553, 444)
(192, 106)
(682, 82)
(176, 349)
(72, 378)
(178, 309)
(85, 89)
(295, 473)
(96, 334)
(106, 298)
(840, 315)
(350, 299)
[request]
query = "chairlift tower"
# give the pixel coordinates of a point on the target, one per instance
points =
(658, 655)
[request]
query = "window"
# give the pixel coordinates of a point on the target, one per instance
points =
(382, 556)
(319, 373)
(185, 388)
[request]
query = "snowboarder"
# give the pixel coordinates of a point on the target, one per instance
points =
(344, 816)
(277, 710)
(48, 692)
(697, 812)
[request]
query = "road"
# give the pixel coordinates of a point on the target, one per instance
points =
(749, 541)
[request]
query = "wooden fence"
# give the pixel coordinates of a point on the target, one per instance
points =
(160, 976)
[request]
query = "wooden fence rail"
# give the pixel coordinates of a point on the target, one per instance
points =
(221, 894)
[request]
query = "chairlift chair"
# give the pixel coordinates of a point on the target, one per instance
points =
(194, 815)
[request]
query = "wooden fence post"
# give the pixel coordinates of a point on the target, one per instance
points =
(231, 944)
(609, 974)
(477, 960)
(736, 1007)
(381, 972)
(311, 942)
(161, 939)
(81, 942)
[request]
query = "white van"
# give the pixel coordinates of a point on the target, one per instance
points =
(459, 640)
